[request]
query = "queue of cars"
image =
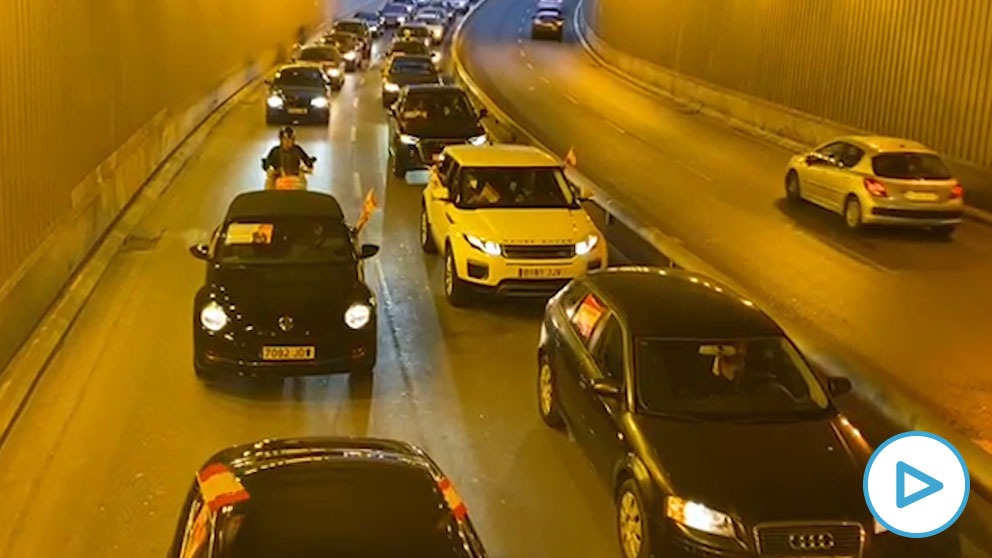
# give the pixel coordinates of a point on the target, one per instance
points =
(705, 421)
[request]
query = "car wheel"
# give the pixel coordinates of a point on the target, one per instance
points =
(632, 523)
(852, 213)
(547, 398)
(426, 239)
(455, 289)
(792, 192)
(944, 231)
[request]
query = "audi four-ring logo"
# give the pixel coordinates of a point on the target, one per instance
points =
(286, 323)
(811, 541)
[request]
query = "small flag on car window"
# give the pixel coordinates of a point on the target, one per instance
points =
(571, 159)
(220, 487)
(454, 501)
(368, 206)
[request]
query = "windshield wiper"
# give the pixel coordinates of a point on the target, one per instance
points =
(760, 419)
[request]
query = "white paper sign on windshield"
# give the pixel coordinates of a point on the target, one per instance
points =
(248, 233)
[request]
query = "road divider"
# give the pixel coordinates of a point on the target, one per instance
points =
(631, 229)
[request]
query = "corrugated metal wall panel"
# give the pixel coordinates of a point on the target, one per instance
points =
(914, 68)
(80, 77)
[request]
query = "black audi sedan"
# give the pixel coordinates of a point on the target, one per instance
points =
(405, 70)
(299, 92)
(425, 119)
(355, 497)
(715, 435)
(285, 293)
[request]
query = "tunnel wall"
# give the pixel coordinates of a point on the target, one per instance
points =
(911, 68)
(94, 95)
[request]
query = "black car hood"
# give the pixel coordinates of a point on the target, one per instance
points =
(455, 128)
(413, 79)
(262, 291)
(763, 472)
(299, 91)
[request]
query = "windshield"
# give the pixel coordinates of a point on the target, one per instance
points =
(452, 105)
(316, 513)
(356, 27)
(725, 378)
(514, 188)
(429, 19)
(910, 166)
(300, 77)
(412, 66)
(286, 240)
(548, 16)
(320, 54)
(395, 9)
(410, 47)
(414, 31)
(367, 16)
(344, 42)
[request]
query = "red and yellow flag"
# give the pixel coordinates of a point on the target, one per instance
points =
(219, 487)
(455, 503)
(368, 206)
(571, 159)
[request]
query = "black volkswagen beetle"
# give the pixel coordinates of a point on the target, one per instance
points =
(425, 119)
(354, 497)
(714, 434)
(285, 293)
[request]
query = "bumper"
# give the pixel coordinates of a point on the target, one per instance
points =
(216, 355)
(294, 114)
(425, 154)
(521, 278)
(678, 542)
(916, 215)
(541, 31)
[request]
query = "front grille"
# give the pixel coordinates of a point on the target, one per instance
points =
(917, 213)
(296, 101)
(810, 540)
(528, 288)
(539, 252)
(431, 147)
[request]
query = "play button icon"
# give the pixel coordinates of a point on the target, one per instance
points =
(916, 484)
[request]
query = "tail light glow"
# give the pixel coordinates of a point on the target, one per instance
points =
(875, 188)
(957, 192)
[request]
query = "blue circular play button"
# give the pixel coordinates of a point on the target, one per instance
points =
(916, 484)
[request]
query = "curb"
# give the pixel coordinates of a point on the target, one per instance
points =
(971, 212)
(877, 391)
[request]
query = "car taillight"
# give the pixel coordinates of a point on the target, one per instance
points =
(875, 188)
(957, 192)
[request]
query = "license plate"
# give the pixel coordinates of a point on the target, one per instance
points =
(288, 353)
(921, 196)
(539, 272)
(297, 111)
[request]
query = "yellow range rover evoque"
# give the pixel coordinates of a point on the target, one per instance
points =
(507, 221)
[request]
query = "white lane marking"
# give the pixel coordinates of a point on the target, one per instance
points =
(4, 387)
(530, 88)
(387, 297)
(616, 127)
(545, 80)
(354, 103)
(354, 133)
(522, 53)
(520, 41)
(356, 181)
(530, 66)
(361, 81)
(692, 169)
(571, 99)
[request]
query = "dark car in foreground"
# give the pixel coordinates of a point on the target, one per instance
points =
(328, 58)
(425, 119)
(548, 24)
(715, 435)
(308, 497)
(285, 293)
(299, 92)
(401, 71)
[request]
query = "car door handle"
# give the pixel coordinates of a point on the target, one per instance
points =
(449, 218)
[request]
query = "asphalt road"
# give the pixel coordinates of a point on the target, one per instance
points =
(915, 308)
(100, 459)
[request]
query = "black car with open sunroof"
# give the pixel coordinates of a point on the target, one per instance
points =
(321, 497)
(714, 435)
(285, 293)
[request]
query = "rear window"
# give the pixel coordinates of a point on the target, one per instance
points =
(356, 27)
(320, 54)
(414, 31)
(300, 77)
(910, 166)
(410, 65)
(352, 510)
(410, 47)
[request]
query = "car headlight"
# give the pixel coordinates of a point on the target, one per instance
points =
(478, 140)
(879, 528)
(213, 317)
(275, 101)
(334, 72)
(407, 139)
(699, 517)
(583, 247)
(391, 87)
(358, 315)
(401, 19)
(437, 34)
(318, 102)
(350, 55)
(486, 246)
(435, 57)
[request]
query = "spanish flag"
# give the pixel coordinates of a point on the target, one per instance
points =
(368, 206)
(454, 501)
(571, 159)
(220, 487)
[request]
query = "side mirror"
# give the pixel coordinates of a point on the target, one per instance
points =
(441, 195)
(368, 250)
(268, 82)
(483, 112)
(838, 385)
(200, 251)
(607, 388)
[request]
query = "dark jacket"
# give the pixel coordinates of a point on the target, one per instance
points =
(288, 161)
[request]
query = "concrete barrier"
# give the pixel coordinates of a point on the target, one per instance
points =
(788, 128)
(878, 389)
